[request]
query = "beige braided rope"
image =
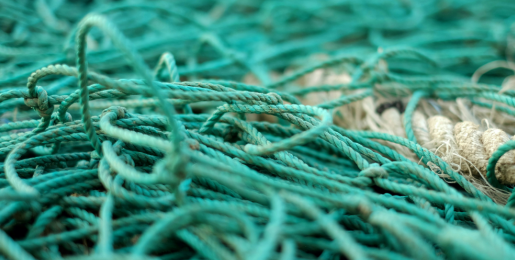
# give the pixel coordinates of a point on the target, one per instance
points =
(467, 149)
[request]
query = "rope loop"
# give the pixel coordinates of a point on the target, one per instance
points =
(115, 112)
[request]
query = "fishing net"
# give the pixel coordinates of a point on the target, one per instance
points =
(257, 129)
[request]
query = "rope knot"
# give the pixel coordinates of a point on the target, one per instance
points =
(116, 110)
(40, 103)
(374, 171)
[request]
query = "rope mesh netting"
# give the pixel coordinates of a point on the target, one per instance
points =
(257, 129)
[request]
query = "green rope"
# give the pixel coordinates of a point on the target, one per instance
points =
(163, 165)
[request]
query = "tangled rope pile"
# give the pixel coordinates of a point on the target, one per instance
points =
(244, 142)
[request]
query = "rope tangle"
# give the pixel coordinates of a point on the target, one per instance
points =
(364, 172)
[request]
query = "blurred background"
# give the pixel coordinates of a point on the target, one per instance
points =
(258, 42)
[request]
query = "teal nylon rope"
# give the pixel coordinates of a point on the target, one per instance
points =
(126, 130)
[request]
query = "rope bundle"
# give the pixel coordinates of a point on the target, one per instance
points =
(212, 155)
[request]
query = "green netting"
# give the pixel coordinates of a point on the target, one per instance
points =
(245, 129)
